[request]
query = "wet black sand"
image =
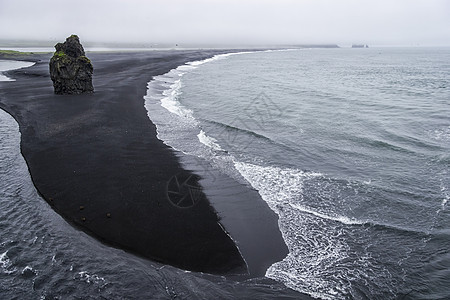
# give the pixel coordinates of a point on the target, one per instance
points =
(96, 160)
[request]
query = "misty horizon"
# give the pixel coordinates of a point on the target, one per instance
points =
(286, 22)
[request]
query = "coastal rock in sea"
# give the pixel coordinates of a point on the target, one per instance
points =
(70, 70)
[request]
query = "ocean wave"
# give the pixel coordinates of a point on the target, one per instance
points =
(341, 219)
(322, 240)
(353, 221)
(172, 82)
(284, 186)
(208, 60)
(276, 185)
(411, 141)
(171, 103)
(208, 141)
(165, 90)
(379, 144)
(228, 133)
(312, 253)
(238, 129)
(226, 55)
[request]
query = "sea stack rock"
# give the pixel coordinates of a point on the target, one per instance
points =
(70, 70)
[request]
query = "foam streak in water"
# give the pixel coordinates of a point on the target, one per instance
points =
(341, 219)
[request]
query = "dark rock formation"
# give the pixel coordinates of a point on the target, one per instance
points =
(360, 46)
(70, 70)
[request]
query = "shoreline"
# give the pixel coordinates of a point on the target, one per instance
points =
(88, 160)
(237, 204)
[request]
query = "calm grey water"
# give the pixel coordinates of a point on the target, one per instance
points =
(350, 147)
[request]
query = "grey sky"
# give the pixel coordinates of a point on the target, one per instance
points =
(375, 22)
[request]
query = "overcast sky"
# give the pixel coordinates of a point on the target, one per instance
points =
(375, 22)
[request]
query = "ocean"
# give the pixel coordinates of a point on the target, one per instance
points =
(349, 147)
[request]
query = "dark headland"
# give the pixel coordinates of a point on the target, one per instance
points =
(96, 160)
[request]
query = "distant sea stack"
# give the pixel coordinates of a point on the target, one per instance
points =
(70, 70)
(360, 46)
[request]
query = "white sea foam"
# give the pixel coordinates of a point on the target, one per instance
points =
(444, 202)
(446, 195)
(5, 264)
(208, 141)
(275, 184)
(29, 271)
(171, 103)
(91, 278)
(337, 218)
(368, 182)
(216, 57)
(313, 251)
(175, 120)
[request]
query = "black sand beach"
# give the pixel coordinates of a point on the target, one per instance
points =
(96, 160)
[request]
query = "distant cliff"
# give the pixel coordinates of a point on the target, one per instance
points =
(24, 56)
(314, 46)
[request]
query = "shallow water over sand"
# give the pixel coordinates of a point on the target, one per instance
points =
(6, 65)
